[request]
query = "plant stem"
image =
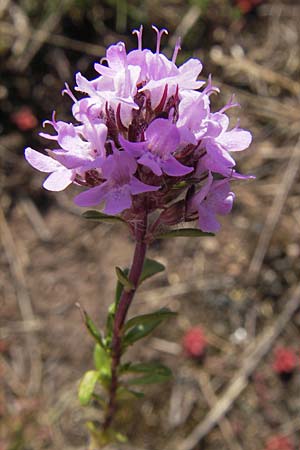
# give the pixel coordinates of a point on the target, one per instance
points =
(120, 317)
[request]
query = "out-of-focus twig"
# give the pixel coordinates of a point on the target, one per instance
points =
(185, 25)
(36, 219)
(211, 399)
(253, 354)
(24, 302)
(46, 28)
(243, 64)
(57, 40)
(275, 212)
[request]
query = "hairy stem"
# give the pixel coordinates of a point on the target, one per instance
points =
(120, 317)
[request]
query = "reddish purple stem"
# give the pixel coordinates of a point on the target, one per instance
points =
(124, 304)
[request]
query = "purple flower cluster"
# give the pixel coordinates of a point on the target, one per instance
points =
(145, 139)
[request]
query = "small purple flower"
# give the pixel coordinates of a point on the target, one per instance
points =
(218, 142)
(214, 198)
(156, 152)
(120, 185)
(60, 177)
(81, 149)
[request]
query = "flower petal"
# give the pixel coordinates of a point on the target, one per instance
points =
(117, 200)
(174, 168)
(41, 162)
(59, 180)
(207, 220)
(93, 196)
(154, 163)
(235, 140)
(137, 187)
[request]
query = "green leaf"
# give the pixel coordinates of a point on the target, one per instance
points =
(100, 438)
(102, 362)
(119, 288)
(140, 326)
(150, 268)
(87, 386)
(161, 314)
(124, 280)
(101, 217)
(153, 368)
(183, 232)
(123, 393)
(150, 379)
(153, 373)
(90, 325)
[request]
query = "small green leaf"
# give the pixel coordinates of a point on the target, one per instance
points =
(185, 183)
(124, 280)
(101, 217)
(123, 393)
(161, 314)
(119, 288)
(183, 232)
(149, 368)
(90, 325)
(153, 373)
(101, 438)
(150, 379)
(150, 268)
(102, 362)
(140, 326)
(120, 437)
(87, 386)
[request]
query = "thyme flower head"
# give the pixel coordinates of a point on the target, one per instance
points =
(145, 138)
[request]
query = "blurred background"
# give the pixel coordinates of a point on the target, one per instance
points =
(236, 294)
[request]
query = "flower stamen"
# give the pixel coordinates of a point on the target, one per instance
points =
(159, 36)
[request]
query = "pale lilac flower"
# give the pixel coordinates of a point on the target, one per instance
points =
(81, 149)
(218, 142)
(120, 184)
(156, 152)
(214, 198)
(60, 177)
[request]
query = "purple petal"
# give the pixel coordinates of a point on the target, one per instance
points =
(137, 187)
(154, 163)
(235, 140)
(162, 136)
(202, 194)
(59, 180)
(41, 162)
(217, 159)
(174, 168)
(225, 206)
(192, 67)
(135, 149)
(117, 200)
(239, 176)
(119, 166)
(207, 220)
(93, 196)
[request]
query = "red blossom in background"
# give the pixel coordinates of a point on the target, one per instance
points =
(24, 119)
(285, 360)
(194, 342)
(279, 442)
(247, 5)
